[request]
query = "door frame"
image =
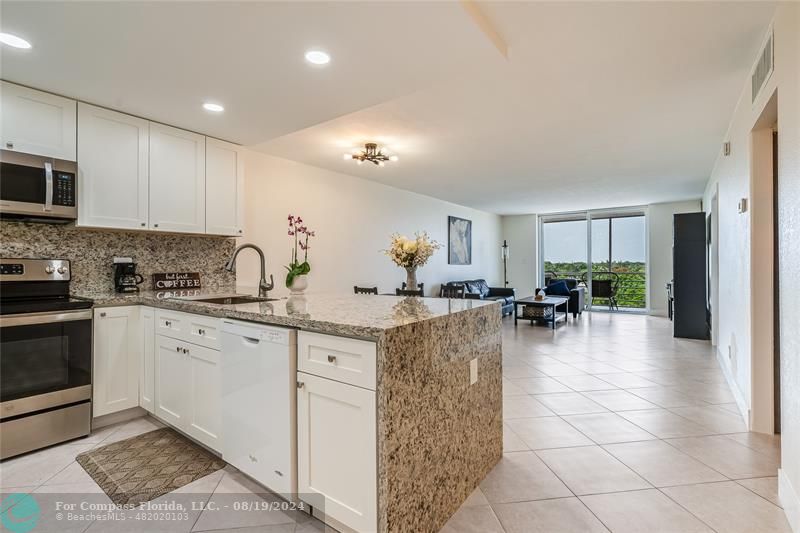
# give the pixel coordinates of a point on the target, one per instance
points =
(762, 268)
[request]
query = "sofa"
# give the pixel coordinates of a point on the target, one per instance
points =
(577, 294)
(480, 290)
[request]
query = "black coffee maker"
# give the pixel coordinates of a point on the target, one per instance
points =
(125, 277)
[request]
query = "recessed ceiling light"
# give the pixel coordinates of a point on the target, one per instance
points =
(318, 57)
(13, 40)
(216, 108)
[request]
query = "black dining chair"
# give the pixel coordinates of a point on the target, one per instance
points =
(452, 291)
(405, 292)
(420, 286)
(365, 290)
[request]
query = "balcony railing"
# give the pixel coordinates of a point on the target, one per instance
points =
(628, 288)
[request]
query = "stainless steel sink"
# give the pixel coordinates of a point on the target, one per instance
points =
(228, 300)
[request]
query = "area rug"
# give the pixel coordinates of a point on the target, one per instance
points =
(141, 468)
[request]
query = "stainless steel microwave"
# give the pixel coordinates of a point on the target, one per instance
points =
(33, 187)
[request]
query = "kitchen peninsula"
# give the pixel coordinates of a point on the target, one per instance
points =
(438, 414)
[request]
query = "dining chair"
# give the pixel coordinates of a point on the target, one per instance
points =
(405, 292)
(452, 291)
(365, 290)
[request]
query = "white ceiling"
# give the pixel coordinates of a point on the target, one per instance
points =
(597, 105)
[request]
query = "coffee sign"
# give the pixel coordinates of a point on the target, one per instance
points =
(176, 280)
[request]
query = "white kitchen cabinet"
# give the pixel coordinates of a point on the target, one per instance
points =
(350, 361)
(112, 169)
(117, 348)
(187, 389)
(224, 188)
(147, 376)
(177, 180)
(172, 396)
(37, 122)
(205, 416)
(336, 449)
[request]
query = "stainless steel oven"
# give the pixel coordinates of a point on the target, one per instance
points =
(38, 188)
(45, 357)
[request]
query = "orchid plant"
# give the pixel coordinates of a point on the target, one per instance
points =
(301, 236)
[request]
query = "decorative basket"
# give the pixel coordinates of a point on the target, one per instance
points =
(531, 312)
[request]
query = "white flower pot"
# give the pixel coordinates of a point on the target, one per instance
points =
(299, 284)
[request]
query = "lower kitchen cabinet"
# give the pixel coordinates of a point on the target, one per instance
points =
(187, 389)
(336, 449)
(147, 376)
(172, 387)
(205, 416)
(117, 349)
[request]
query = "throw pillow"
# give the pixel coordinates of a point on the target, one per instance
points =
(559, 288)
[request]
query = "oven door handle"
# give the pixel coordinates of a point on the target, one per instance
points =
(48, 184)
(29, 319)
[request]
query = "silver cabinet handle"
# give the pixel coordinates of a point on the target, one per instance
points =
(102, 315)
(144, 224)
(178, 349)
(48, 180)
(10, 145)
(300, 384)
(201, 332)
(168, 323)
(332, 359)
(155, 225)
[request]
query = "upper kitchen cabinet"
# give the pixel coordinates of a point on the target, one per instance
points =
(224, 188)
(112, 169)
(177, 180)
(37, 123)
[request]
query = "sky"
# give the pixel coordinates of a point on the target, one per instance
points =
(565, 242)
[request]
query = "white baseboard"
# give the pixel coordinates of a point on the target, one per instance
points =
(789, 500)
(115, 418)
(744, 408)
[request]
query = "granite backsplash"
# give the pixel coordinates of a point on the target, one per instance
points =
(90, 252)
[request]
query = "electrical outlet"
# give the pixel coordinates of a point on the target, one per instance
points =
(473, 371)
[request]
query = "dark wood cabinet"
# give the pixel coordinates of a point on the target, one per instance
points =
(689, 276)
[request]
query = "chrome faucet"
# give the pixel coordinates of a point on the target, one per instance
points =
(263, 286)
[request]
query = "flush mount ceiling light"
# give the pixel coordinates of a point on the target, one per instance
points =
(13, 40)
(318, 57)
(371, 153)
(216, 108)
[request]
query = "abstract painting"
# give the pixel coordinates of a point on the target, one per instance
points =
(459, 241)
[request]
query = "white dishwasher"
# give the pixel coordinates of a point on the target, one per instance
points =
(259, 403)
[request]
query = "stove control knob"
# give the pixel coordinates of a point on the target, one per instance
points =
(49, 269)
(62, 270)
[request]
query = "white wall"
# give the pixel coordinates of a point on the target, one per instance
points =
(738, 239)
(521, 232)
(659, 250)
(353, 219)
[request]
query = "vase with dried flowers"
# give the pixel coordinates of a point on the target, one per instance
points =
(411, 254)
(297, 271)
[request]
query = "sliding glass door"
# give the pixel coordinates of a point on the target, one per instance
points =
(604, 251)
(564, 241)
(619, 269)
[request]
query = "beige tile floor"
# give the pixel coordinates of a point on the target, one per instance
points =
(610, 425)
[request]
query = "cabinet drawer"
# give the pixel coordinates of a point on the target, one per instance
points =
(170, 323)
(204, 330)
(197, 329)
(347, 360)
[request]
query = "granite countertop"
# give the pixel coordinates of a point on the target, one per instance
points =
(351, 315)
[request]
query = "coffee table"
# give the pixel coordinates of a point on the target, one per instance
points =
(551, 302)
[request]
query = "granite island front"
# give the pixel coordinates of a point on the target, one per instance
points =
(437, 434)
